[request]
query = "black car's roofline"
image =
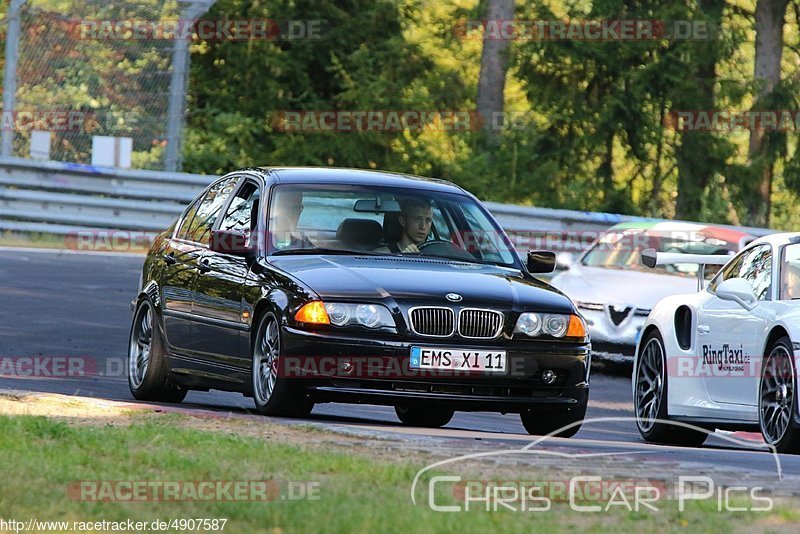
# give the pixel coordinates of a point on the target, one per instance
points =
(347, 176)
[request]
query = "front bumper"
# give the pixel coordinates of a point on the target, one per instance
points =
(338, 368)
(611, 341)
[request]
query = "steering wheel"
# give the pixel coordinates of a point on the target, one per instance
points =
(444, 248)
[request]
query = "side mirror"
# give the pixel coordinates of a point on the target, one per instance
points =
(230, 242)
(739, 291)
(541, 261)
(564, 261)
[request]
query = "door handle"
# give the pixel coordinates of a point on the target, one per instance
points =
(169, 259)
(203, 266)
(703, 329)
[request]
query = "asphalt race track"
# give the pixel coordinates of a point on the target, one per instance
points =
(72, 304)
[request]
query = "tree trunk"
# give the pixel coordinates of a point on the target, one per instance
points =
(494, 64)
(767, 74)
(695, 157)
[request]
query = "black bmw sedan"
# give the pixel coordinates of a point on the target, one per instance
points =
(299, 286)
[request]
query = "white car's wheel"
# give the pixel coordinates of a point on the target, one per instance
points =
(650, 399)
(778, 398)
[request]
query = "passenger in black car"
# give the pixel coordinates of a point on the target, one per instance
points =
(288, 209)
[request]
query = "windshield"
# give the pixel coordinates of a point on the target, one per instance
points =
(622, 249)
(346, 219)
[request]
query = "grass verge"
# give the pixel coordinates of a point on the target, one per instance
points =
(46, 461)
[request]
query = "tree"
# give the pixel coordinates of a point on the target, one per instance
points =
(769, 22)
(494, 64)
(700, 155)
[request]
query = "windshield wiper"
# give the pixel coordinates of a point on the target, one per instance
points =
(318, 250)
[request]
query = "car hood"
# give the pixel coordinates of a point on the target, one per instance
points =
(630, 287)
(420, 280)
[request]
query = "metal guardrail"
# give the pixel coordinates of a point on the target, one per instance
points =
(65, 198)
(61, 198)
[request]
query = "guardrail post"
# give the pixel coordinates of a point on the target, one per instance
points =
(10, 74)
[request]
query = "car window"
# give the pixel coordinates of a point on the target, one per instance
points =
(184, 230)
(239, 216)
(207, 212)
(755, 266)
(379, 219)
(322, 211)
(621, 248)
(487, 243)
(790, 273)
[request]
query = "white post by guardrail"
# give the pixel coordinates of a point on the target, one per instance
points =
(10, 74)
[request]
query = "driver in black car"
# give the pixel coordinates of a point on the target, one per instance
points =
(416, 218)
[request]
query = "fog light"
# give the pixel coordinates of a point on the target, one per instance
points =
(548, 377)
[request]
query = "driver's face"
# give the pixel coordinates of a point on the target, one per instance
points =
(417, 224)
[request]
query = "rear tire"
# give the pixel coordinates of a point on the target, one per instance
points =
(148, 377)
(274, 394)
(423, 416)
(650, 399)
(544, 421)
(778, 399)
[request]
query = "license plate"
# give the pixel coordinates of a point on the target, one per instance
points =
(458, 359)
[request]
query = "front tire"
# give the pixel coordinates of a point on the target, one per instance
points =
(650, 399)
(423, 416)
(148, 377)
(778, 399)
(273, 394)
(545, 421)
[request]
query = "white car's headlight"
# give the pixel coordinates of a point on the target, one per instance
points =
(550, 324)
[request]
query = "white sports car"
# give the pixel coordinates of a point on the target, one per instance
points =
(725, 357)
(615, 293)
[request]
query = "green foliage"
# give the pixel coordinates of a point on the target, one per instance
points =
(596, 136)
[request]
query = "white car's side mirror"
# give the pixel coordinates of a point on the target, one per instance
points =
(564, 261)
(738, 290)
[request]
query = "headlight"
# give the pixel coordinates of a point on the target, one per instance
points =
(529, 324)
(367, 315)
(551, 324)
(555, 325)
